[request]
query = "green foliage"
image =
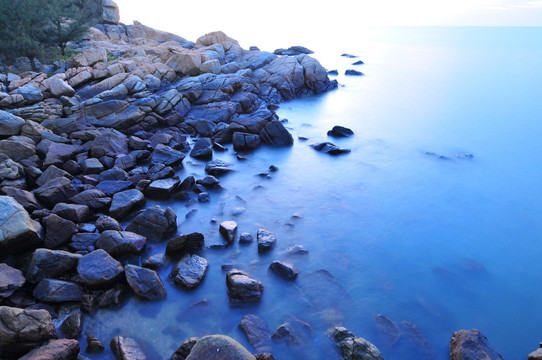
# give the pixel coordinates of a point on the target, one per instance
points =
(34, 28)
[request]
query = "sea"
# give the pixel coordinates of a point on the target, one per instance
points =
(433, 220)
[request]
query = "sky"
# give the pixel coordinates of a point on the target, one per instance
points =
(288, 19)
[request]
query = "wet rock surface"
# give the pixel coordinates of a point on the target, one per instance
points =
(352, 347)
(242, 288)
(471, 344)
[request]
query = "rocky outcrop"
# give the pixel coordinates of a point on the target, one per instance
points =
(470, 345)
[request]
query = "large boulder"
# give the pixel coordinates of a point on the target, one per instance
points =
(125, 202)
(58, 87)
(10, 124)
(274, 133)
(145, 282)
(18, 232)
(118, 243)
(471, 345)
(47, 263)
(352, 347)
(23, 330)
(55, 191)
(242, 288)
(61, 349)
(189, 271)
(219, 347)
(99, 269)
(10, 280)
(110, 12)
(31, 93)
(185, 62)
(58, 231)
(154, 223)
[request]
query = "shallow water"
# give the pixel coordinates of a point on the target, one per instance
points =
(444, 241)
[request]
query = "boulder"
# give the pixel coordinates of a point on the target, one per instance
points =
(329, 148)
(470, 345)
(111, 187)
(52, 172)
(340, 131)
(316, 77)
(17, 150)
(58, 291)
(110, 12)
(58, 87)
(166, 155)
(9, 169)
(217, 168)
(105, 222)
(285, 334)
(145, 282)
(10, 124)
(257, 332)
(98, 269)
(31, 93)
(119, 243)
(125, 202)
(23, 330)
(94, 199)
(125, 348)
(73, 212)
(154, 223)
(55, 191)
(266, 240)
(353, 348)
(61, 349)
(73, 325)
(10, 280)
(245, 141)
(18, 232)
(47, 263)
(156, 262)
(184, 350)
(59, 153)
(58, 231)
(228, 229)
(88, 58)
(274, 133)
(23, 197)
(203, 149)
(162, 189)
(219, 347)
(189, 271)
(242, 288)
(185, 243)
(110, 143)
(185, 62)
(284, 270)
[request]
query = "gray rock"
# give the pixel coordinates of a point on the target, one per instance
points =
(155, 262)
(257, 332)
(145, 282)
(10, 280)
(23, 197)
(58, 153)
(73, 212)
(18, 232)
(154, 223)
(125, 348)
(31, 93)
(266, 240)
(353, 348)
(166, 155)
(23, 330)
(55, 191)
(284, 270)
(340, 131)
(242, 288)
(105, 222)
(228, 229)
(189, 271)
(246, 238)
(471, 344)
(59, 87)
(47, 263)
(58, 231)
(245, 141)
(285, 334)
(73, 325)
(110, 13)
(94, 199)
(61, 349)
(109, 142)
(92, 166)
(329, 148)
(115, 174)
(162, 189)
(88, 58)
(203, 149)
(111, 187)
(17, 150)
(276, 134)
(118, 243)
(52, 172)
(185, 243)
(9, 169)
(57, 291)
(183, 351)
(10, 124)
(219, 347)
(99, 269)
(125, 202)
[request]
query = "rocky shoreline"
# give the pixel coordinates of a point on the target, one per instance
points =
(85, 142)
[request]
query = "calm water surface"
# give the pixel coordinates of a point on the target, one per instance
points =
(406, 224)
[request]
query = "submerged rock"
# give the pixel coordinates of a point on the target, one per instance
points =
(284, 270)
(329, 148)
(352, 347)
(125, 348)
(470, 345)
(72, 326)
(145, 282)
(340, 131)
(219, 347)
(388, 332)
(266, 240)
(416, 336)
(256, 331)
(351, 72)
(189, 271)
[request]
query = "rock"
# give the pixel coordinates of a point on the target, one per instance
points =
(92, 166)
(285, 334)
(185, 63)
(57, 291)
(105, 222)
(72, 326)
(162, 189)
(94, 199)
(73, 212)
(58, 231)
(245, 141)
(59, 87)
(296, 250)
(164, 154)
(9, 169)
(99, 269)
(387, 330)
(55, 191)
(276, 134)
(114, 174)
(353, 348)
(94, 346)
(227, 229)
(145, 282)
(10, 280)
(88, 58)
(535, 355)
(58, 153)
(351, 72)
(329, 148)
(471, 344)
(340, 131)
(284, 270)
(217, 168)
(109, 142)
(23, 197)
(418, 338)
(18, 232)
(209, 182)
(110, 12)
(61, 349)
(10, 124)
(246, 238)
(17, 150)
(257, 332)
(23, 330)
(125, 348)
(119, 243)
(126, 202)
(112, 297)
(266, 240)
(184, 350)
(203, 149)
(264, 356)
(31, 93)
(154, 223)
(185, 243)
(190, 271)
(219, 347)
(293, 51)
(155, 262)
(242, 288)
(211, 66)
(49, 264)
(359, 62)
(111, 187)
(83, 242)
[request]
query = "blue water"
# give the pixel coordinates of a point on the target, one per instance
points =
(444, 241)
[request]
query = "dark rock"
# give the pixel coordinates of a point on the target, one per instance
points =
(154, 223)
(164, 154)
(99, 269)
(125, 348)
(185, 243)
(183, 351)
(333, 73)
(284, 270)
(94, 346)
(245, 141)
(23, 330)
(47, 263)
(105, 222)
(112, 297)
(57, 291)
(227, 229)
(23, 197)
(266, 240)
(246, 238)
(285, 334)
(351, 72)
(92, 166)
(388, 332)
(349, 56)
(160, 171)
(190, 271)
(95, 199)
(111, 187)
(144, 282)
(156, 262)
(203, 149)
(118, 243)
(61, 349)
(264, 356)
(58, 153)
(329, 148)
(256, 331)
(219, 347)
(55, 191)
(217, 168)
(72, 326)
(471, 344)
(10, 124)
(293, 51)
(162, 189)
(418, 338)
(109, 142)
(52, 172)
(83, 242)
(209, 182)
(73, 212)
(352, 347)
(340, 131)
(276, 134)
(204, 197)
(359, 62)
(125, 202)
(242, 288)
(58, 231)
(114, 174)
(10, 280)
